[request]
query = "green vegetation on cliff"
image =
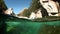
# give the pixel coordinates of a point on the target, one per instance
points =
(3, 5)
(35, 5)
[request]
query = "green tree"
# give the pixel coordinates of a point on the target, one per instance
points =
(35, 5)
(3, 5)
(24, 13)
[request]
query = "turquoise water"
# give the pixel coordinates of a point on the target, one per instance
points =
(24, 26)
(27, 26)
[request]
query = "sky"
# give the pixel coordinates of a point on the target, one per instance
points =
(17, 5)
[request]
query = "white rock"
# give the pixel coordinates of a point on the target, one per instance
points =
(9, 11)
(32, 16)
(50, 6)
(38, 14)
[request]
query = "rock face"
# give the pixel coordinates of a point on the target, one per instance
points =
(50, 9)
(9, 11)
(39, 14)
(23, 12)
(50, 6)
(32, 16)
(36, 14)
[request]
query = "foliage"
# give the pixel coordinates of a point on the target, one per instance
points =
(34, 6)
(3, 5)
(24, 13)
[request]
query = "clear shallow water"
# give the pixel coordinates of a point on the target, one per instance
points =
(27, 27)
